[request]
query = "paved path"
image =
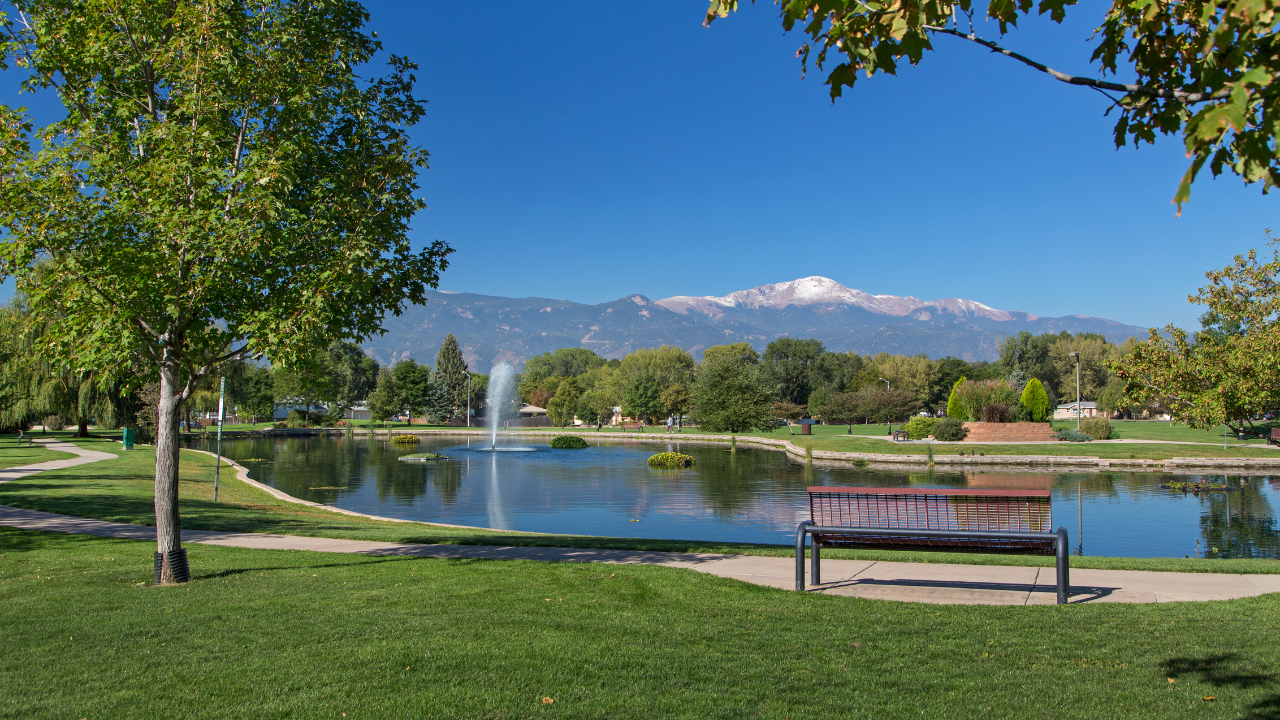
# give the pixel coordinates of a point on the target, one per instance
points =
(85, 456)
(916, 582)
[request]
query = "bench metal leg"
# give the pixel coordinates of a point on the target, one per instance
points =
(1064, 569)
(800, 532)
(815, 551)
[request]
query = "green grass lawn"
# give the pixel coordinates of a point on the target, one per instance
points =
(122, 491)
(12, 456)
(314, 635)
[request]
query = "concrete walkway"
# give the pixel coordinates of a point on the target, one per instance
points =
(85, 457)
(913, 582)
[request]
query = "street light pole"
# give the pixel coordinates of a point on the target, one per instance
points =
(222, 393)
(468, 398)
(886, 387)
(1079, 405)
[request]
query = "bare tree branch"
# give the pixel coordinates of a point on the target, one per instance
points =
(1179, 95)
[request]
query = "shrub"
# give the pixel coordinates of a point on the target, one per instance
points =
(282, 425)
(976, 396)
(297, 420)
(955, 408)
(1098, 428)
(671, 460)
(1068, 435)
(342, 424)
(995, 413)
(405, 440)
(424, 456)
(1036, 401)
(568, 442)
(55, 422)
(919, 428)
(949, 429)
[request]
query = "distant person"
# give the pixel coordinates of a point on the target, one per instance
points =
(671, 421)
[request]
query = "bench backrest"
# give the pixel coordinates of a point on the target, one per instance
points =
(1275, 433)
(933, 509)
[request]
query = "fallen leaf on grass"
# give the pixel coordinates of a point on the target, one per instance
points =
(1172, 681)
(1209, 698)
(547, 701)
(858, 645)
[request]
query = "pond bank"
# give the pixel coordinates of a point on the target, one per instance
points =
(832, 457)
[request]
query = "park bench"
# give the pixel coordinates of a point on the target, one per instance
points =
(899, 435)
(1013, 521)
(1275, 437)
(632, 426)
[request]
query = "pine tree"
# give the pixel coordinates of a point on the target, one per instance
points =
(452, 370)
(954, 408)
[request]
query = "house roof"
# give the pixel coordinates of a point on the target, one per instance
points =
(532, 409)
(1086, 405)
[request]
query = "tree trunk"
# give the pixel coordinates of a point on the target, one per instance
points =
(168, 523)
(82, 427)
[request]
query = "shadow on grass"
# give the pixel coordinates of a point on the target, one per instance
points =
(1223, 671)
(361, 560)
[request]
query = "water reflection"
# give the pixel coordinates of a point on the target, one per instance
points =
(749, 495)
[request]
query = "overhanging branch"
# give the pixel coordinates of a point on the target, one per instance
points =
(1179, 95)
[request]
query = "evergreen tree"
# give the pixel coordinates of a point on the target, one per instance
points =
(452, 371)
(1036, 401)
(954, 408)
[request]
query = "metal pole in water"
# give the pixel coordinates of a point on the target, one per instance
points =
(222, 393)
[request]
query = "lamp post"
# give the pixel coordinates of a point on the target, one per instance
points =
(468, 399)
(222, 393)
(886, 387)
(1079, 408)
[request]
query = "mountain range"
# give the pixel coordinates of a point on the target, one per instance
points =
(492, 329)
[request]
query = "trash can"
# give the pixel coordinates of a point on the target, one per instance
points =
(128, 438)
(806, 427)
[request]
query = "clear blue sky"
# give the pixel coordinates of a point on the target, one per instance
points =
(588, 150)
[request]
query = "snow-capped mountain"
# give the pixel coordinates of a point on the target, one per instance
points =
(494, 329)
(817, 290)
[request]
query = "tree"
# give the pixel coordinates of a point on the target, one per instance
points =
(562, 407)
(437, 402)
(352, 375)
(642, 400)
(788, 411)
(675, 400)
(730, 393)
(879, 405)
(224, 185)
(384, 401)
(565, 362)
(595, 406)
(667, 365)
(413, 387)
(256, 394)
(1036, 401)
(1202, 67)
(792, 365)
(955, 408)
(844, 409)
(452, 370)
(1216, 378)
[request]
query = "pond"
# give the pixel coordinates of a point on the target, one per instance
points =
(749, 496)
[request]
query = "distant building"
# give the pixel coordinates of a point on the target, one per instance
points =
(527, 411)
(1071, 412)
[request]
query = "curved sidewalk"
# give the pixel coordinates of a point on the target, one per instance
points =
(912, 582)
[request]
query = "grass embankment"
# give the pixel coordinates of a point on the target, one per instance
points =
(13, 456)
(122, 491)
(261, 633)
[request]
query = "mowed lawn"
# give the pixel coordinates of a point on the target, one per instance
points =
(314, 635)
(11, 455)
